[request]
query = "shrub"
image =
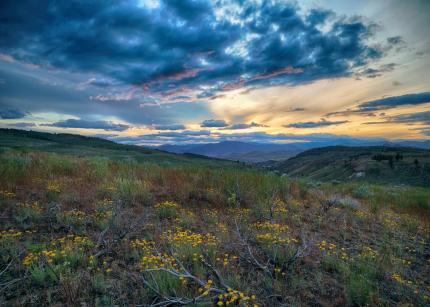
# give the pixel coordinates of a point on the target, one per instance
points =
(99, 168)
(363, 192)
(28, 212)
(132, 191)
(14, 168)
(167, 210)
(41, 275)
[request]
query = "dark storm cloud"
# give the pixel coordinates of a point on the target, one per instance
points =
(183, 43)
(85, 124)
(11, 113)
(321, 123)
(169, 127)
(25, 91)
(215, 123)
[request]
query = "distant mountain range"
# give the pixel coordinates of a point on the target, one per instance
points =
(259, 152)
(241, 151)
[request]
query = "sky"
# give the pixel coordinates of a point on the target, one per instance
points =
(152, 72)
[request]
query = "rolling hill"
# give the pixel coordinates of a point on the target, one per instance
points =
(73, 144)
(386, 164)
(252, 152)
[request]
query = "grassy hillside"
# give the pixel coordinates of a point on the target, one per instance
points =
(396, 165)
(83, 224)
(77, 145)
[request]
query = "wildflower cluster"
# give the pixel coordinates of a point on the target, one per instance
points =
(242, 212)
(236, 297)
(225, 259)
(279, 207)
(59, 250)
(390, 220)
(275, 227)
(143, 245)
(53, 187)
(273, 233)
(399, 279)
(106, 202)
(210, 214)
(331, 249)
(167, 209)
(7, 194)
(278, 270)
(187, 237)
(101, 215)
(361, 214)
(222, 227)
(75, 215)
(161, 260)
(167, 205)
(205, 290)
(368, 253)
(36, 207)
(11, 233)
(275, 239)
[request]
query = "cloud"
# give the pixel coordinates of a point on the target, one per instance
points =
(102, 83)
(297, 109)
(213, 123)
(422, 118)
(186, 44)
(21, 125)
(192, 137)
(419, 117)
(424, 131)
(412, 118)
(321, 123)
(395, 40)
(85, 124)
(367, 108)
(395, 101)
(125, 96)
(169, 127)
(376, 72)
(243, 126)
(11, 113)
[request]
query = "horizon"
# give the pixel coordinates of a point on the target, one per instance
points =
(151, 72)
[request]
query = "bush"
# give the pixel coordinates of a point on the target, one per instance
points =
(363, 192)
(14, 168)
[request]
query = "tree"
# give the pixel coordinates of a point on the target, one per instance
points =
(399, 157)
